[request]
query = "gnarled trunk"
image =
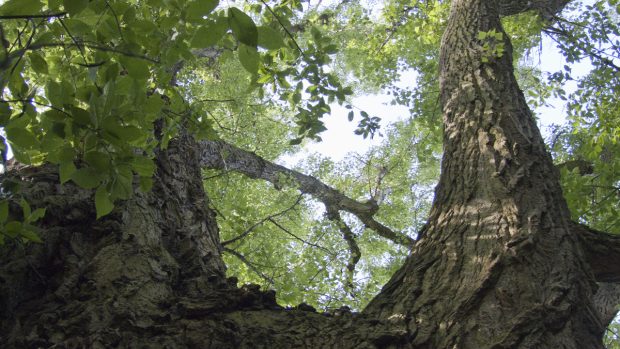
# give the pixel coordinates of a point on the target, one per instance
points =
(500, 264)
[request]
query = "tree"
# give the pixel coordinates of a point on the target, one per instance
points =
(499, 263)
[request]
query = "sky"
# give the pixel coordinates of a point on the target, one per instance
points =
(339, 138)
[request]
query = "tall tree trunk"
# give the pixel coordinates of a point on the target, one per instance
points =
(499, 265)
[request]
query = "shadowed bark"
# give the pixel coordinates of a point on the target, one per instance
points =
(500, 264)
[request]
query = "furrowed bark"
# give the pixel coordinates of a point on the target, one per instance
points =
(224, 156)
(499, 266)
(606, 301)
(602, 252)
(547, 8)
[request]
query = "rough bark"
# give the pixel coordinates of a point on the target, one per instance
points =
(602, 252)
(150, 275)
(500, 264)
(547, 8)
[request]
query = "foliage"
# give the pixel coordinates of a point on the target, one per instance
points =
(593, 134)
(95, 87)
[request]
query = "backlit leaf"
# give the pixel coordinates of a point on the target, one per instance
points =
(243, 27)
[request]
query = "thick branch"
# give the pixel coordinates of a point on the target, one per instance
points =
(602, 252)
(606, 301)
(547, 8)
(224, 156)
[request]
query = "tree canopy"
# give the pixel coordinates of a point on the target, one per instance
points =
(95, 87)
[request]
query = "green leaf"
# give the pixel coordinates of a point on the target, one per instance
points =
(5, 113)
(21, 7)
(30, 235)
(99, 160)
(86, 178)
(143, 166)
(52, 92)
(122, 185)
(146, 183)
(36, 215)
(249, 58)
(136, 68)
(200, 8)
(25, 208)
(38, 63)
(13, 228)
(208, 35)
(66, 171)
(350, 116)
(81, 117)
(75, 6)
(103, 204)
(269, 38)
(243, 27)
(22, 138)
(4, 211)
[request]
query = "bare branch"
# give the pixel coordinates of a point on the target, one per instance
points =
(283, 27)
(300, 239)
(49, 15)
(602, 252)
(584, 167)
(224, 156)
(354, 249)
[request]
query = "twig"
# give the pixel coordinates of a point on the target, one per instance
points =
(298, 238)
(51, 15)
(354, 249)
(84, 44)
(284, 27)
(250, 229)
(249, 264)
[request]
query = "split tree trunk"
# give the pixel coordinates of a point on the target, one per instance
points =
(500, 265)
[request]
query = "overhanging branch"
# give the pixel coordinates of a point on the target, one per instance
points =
(224, 156)
(602, 252)
(547, 8)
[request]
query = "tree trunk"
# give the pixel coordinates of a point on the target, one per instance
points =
(499, 265)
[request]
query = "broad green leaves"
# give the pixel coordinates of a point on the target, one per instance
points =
(198, 9)
(103, 204)
(249, 58)
(269, 38)
(75, 6)
(243, 27)
(23, 229)
(20, 7)
(209, 33)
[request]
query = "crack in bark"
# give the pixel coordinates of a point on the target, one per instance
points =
(223, 156)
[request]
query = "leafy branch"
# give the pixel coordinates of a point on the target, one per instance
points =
(224, 156)
(250, 265)
(268, 218)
